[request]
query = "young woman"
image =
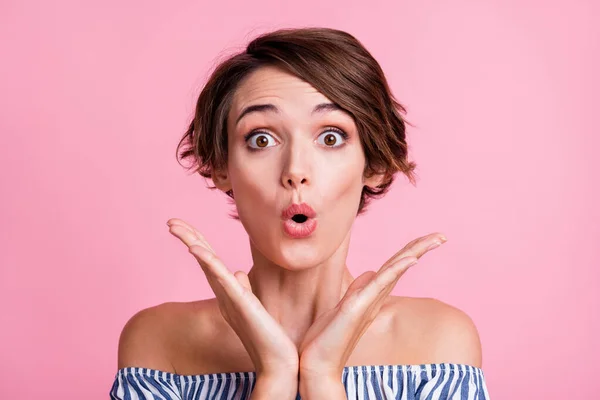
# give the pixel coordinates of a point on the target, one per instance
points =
(301, 131)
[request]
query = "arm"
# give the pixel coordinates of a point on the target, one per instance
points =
(273, 353)
(446, 333)
(328, 343)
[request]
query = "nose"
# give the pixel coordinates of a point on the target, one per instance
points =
(296, 169)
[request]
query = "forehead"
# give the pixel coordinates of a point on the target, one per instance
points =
(272, 83)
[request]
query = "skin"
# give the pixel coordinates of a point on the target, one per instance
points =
(299, 316)
(296, 280)
(297, 284)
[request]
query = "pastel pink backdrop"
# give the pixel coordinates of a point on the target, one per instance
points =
(95, 96)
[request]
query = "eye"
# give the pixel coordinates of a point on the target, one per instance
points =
(333, 137)
(260, 140)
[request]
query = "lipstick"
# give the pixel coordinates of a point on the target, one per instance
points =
(299, 220)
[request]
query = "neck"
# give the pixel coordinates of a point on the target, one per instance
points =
(297, 297)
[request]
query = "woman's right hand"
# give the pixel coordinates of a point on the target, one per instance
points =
(273, 353)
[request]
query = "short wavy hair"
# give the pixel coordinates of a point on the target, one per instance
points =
(336, 64)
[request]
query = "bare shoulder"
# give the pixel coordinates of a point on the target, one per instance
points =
(153, 335)
(440, 332)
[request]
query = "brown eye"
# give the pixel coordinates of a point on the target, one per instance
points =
(261, 140)
(330, 140)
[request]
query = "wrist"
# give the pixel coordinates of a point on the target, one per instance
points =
(272, 387)
(322, 388)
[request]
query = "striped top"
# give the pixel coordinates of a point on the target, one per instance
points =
(376, 382)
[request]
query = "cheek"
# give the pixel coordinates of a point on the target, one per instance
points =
(343, 184)
(252, 186)
(335, 191)
(246, 175)
(255, 194)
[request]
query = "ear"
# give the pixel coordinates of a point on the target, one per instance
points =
(220, 177)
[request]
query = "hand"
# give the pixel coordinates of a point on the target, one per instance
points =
(331, 339)
(273, 353)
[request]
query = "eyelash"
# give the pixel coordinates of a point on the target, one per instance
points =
(343, 134)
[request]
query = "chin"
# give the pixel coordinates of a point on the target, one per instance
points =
(296, 255)
(293, 254)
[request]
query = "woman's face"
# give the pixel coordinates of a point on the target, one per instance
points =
(292, 152)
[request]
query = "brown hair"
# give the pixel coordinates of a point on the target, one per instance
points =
(334, 63)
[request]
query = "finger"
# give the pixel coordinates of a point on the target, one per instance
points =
(359, 283)
(382, 283)
(394, 273)
(243, 279)
(210, 276)
(194, 231)
(417, 248)
(226, 295)
(238, 294)
(221, 273)
(188, 237)
(368, 302)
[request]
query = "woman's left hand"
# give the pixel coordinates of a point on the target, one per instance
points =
(331, 339)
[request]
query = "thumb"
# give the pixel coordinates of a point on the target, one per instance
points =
(359, 283)
(242, 278)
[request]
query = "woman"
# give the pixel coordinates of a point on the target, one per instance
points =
(300, 130)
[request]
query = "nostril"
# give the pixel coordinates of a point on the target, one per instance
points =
(300, 218)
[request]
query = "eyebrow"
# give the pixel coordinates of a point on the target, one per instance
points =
(271, 108)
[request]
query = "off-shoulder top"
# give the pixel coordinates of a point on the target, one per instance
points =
(373, 382)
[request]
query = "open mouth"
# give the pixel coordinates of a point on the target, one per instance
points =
(299, 226)
(299, 218)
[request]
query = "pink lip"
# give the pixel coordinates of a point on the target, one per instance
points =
(299, 230)
(296, 229)
(301, 208)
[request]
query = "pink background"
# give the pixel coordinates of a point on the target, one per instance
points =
(94, 97)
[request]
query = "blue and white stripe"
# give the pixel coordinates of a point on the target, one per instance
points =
(364, 382)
